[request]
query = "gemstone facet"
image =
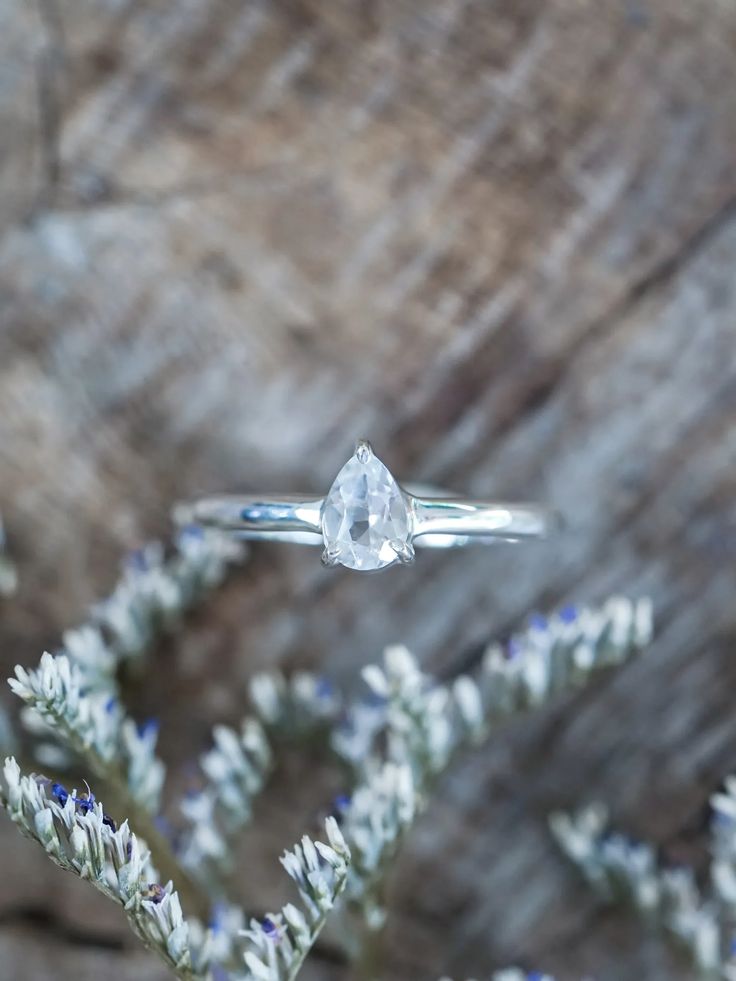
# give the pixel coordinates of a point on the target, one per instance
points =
(366, 522)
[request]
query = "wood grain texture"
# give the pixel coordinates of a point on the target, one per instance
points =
(499, 239)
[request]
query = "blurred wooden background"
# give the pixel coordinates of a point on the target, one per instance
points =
(499, 239)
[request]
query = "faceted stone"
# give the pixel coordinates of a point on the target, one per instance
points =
(364, 512)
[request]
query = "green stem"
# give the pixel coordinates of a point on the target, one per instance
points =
(299, 961)
(368, 964)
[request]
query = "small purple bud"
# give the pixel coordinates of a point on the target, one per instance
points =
(137, 560)
(569, 613)
(60, 793)
(538, 622)
(340, 806)
(107, 820)
(215, 923)
(513, 648)
(269, 928)
(155, 893)
(324, 688)
(163, 826)
(86, 803)
(721, 820)
(374, 700)
(148, 729)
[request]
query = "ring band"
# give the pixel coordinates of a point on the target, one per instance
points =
(368, 521)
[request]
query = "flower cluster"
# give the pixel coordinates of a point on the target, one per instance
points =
(397, 743)
(153, 593)
(278, 945)
(418, 715)
(220, 943)
(401, 740)
(426, 721)
(237, 766)
(80, 837)
(627, 871)
(155, 590)
(74, 696)
(235, 770)
(294, 706)
(552, 655)
(8, 573)
(723, 846)
(92, 724)
(374, 821)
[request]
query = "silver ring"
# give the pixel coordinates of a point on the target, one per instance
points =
(368, 521)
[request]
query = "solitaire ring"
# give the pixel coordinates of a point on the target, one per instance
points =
(369, 521)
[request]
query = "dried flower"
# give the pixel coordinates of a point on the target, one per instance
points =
(278, 945)
(154, 591)
(423, 723)
(235, 770)
(91, 726)
(397, 743)
(75, 834)
(294, 706)
(627, 871)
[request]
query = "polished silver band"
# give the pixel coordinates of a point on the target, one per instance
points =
(374, 501)
(438, 522)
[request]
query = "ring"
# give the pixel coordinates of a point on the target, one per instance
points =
(368, 521)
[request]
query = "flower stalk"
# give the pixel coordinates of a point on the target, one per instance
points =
(79, 836)
(404, 740)
(700, 921)
(395, 744)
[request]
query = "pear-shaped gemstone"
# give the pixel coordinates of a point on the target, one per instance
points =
(365, 518)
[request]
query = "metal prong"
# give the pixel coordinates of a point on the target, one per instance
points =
(330, 556)
(404, 552)
(363, 450)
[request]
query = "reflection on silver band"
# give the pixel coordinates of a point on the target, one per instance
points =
(367, 520)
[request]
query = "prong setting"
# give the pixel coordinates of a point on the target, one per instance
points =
(330, 556)
(363, 450)
(404, 551)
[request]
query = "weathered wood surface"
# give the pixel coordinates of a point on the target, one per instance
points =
(499, 239)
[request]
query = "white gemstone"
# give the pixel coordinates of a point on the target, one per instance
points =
(365, 515)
